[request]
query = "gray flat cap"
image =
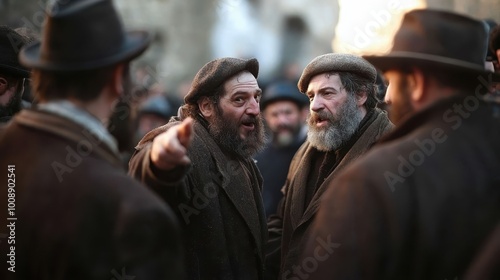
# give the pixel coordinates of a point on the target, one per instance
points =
(216, 72)
(336, 62)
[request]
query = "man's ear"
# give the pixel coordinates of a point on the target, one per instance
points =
(361, 98)
(416, 84)
(118, 79)
(206, 106)
(4, 85)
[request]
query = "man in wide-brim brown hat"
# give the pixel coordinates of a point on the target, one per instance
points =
(423, 201)
(74, 213)
(201, 164)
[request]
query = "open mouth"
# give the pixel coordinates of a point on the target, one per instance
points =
(320, 121)
(248, 125)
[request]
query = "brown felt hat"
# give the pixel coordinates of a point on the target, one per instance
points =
(215, 73)
(336, 62)
(437, 39)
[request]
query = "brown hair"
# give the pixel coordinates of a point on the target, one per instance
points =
(356, 84)
(82, 85)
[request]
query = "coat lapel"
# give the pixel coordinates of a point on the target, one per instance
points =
(68, 130)
(240, 186)
(376, 129)
(300, 168)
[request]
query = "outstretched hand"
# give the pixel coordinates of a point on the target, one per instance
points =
(169, 149)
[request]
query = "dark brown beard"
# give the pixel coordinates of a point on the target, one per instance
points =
(225, 132)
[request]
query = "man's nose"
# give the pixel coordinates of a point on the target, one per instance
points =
(317, 104)
(253, 107)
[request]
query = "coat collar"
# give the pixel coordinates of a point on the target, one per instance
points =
(378, 125)
(241, 182)
(69, 130)
(68, 110)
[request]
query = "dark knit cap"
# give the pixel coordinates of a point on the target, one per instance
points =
(336, 62)
(215, 73)
(11, 43)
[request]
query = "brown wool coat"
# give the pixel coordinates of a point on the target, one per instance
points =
(88, 220)
(421, 204)
(218, 202)
(288, 229)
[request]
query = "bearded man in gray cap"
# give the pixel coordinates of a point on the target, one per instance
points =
(424, 201)
(203, 168)
(71, 210)
(343, 124)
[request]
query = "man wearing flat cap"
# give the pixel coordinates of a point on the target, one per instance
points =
(73, 212)
(201, 164)
(12, 74)
(343, 124)
(424, 201)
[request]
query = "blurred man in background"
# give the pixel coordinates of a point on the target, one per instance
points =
(12, 74)
(73, 211)
(285, 112)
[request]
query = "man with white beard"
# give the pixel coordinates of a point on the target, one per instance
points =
(343, 125)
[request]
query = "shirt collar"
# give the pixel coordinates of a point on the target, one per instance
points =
(68, 110)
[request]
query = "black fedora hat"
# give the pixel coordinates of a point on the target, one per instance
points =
(283, 90)
(11, 43)
(83, 35)
(437, 39)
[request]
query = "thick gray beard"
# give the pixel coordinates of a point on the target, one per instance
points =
(341, 127)
(226, 134)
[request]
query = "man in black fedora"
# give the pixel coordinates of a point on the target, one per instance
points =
(201, 164)
(421, 204)
(12, 74)
(285, 112)
(72, 212)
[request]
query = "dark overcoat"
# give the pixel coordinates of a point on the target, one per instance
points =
(289, 228)
(421, 204)
(219, 205)
(76, 214)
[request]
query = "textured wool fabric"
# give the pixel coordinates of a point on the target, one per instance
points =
(216, 72)
(336, 62)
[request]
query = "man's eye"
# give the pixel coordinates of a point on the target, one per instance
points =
(239, 100)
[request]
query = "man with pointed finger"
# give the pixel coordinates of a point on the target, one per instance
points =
(201, 165)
